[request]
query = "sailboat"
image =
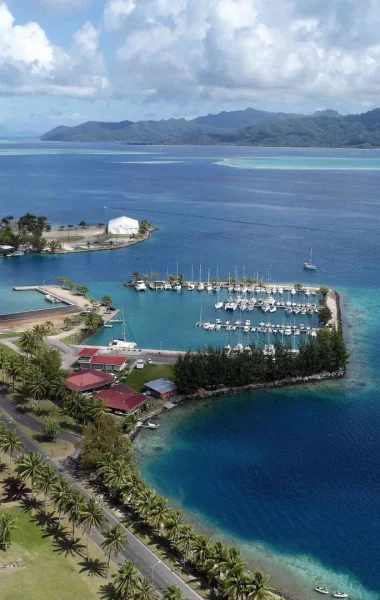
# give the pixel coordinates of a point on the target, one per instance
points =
(309, 265)
(209, 286)
(201, 286)
(190, 285)
(122, 343)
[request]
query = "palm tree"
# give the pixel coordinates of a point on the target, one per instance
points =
(13, 369)
(28, 341)
(10, 442)
(75, 507)
(237, 584)
(24, 363)
(201, 551)
(117, 474)
(126, 580)
(173, 593)
(232, 561)
(75, 405)
(7, 529)
(136, 275)
(185, 541)
(36, 385)
(158, 512)
(261, 589)
(174, 522)
(114, 540)
(57, 388)
(60, 494)
(98, 408)
(145, 498)
(4, 358)
(48, 326)
(46, 478)
(28, 466)
(154, 276)
(145, 590)
(92, 516)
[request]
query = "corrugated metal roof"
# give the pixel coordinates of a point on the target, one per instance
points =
(161, 386)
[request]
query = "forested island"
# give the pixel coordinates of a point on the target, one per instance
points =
(250, 127)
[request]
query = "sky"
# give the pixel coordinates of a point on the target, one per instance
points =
(70, 61)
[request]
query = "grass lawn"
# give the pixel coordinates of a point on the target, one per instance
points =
(139, 377)
(10, 334)
(7, 349)
(44, 572)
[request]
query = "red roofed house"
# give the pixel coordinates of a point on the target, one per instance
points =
(108, 362)
(86, 354)
(120, 398)
(87, 380)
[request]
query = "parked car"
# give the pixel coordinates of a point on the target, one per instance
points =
(140, 364)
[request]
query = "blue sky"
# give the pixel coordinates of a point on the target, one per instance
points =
(68, 61)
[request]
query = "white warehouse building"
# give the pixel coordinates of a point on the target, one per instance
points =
(123, 226)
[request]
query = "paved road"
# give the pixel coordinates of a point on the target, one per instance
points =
(145, 560)
(25, 419)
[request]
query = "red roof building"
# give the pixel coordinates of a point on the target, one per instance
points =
(120, 398)
(107, 362)
(87, 380)
(86, 354)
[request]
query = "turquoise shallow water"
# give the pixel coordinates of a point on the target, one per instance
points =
(292, 476)
(11, 301)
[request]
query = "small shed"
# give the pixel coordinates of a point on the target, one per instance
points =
(161, 388)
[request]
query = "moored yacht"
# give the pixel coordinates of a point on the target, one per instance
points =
(218, 305)
(321, 590)
(309, 265)
(140, 286)
(340, 595)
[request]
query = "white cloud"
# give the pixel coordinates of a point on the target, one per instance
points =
(30, 64)
(226, 50)
(116, 13)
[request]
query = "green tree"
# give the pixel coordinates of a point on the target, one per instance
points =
(98, 408)
(324, 315)
(154, 276)
(60, 493)
(10, 442)
(126, 580)
(93, 321)
(83, 224)
(92, 516)
(106, 300)
(101, 438)
(82, 290)
(4, 357)
(144, 590)
(28, 466)
(324, 290)
(237, 584)
(174, 524)
(298, 286)
(54, 246)
(7, 530)
(51, 429)
(75, 507)
(185, 541)
(173, 593)
(114, 540)
(261, 589)
(158, 512)
(13, 368)
(36, 385)
(136, 275)
(28, 341)
(46, 478)
(130, 422)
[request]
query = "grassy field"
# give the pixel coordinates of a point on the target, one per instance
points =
(139, 377)
(43, 570)
(7, 349)
(10, 334)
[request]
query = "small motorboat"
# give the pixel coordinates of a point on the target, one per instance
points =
(321, 590)
(150, 425)
(108, 325)
(340, 595)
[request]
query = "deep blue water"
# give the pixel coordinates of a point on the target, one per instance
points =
(293, 476)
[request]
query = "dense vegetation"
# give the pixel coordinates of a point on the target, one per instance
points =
(249, 127)
(216, 368)
(27, 231)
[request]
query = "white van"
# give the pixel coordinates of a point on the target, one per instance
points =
(140, 364)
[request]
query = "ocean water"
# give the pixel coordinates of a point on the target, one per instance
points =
(291, 475)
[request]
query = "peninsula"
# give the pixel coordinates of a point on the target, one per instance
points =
(32, 233)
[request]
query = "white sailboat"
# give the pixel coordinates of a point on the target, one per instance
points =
(209, 286)
(309, 265)
(190, 285)
(117, 343)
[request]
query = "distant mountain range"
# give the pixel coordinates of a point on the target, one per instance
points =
(248, 127)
